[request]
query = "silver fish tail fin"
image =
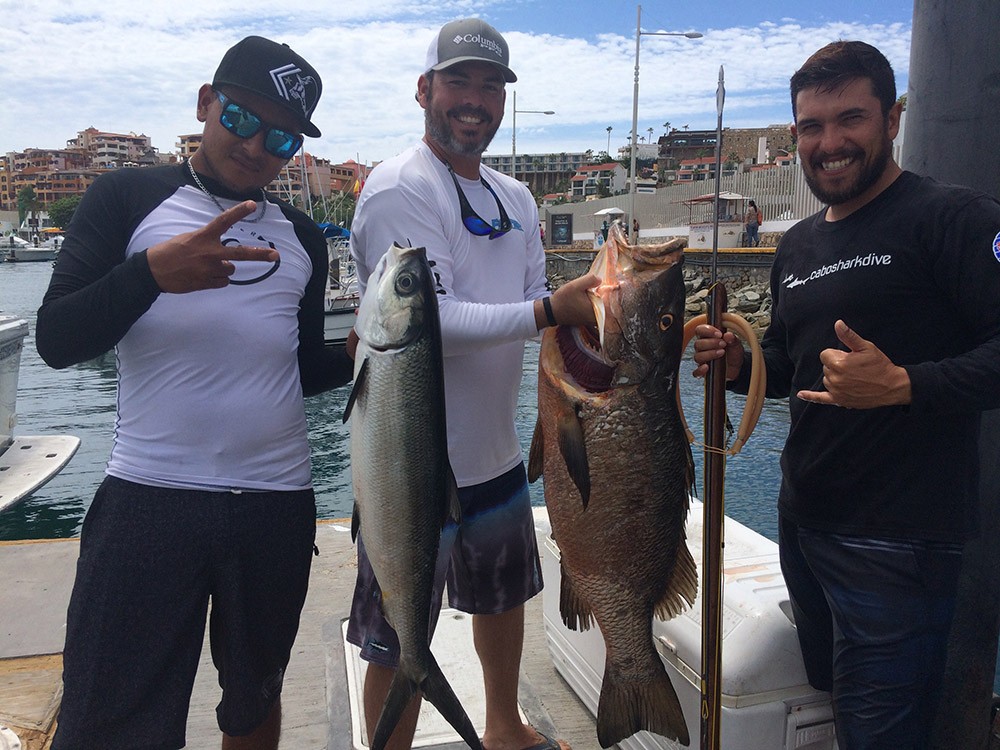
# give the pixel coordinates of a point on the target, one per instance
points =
(628, 706)
(437, 690)
(401, 691)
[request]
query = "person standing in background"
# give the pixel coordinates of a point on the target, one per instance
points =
(752, 221)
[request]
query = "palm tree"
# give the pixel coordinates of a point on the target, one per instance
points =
(609, 129)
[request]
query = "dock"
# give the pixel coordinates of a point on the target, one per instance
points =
(37, 582)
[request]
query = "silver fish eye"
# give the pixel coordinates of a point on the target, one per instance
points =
(406, 284)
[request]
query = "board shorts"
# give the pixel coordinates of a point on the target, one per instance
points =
(151, 560)
(489, 562)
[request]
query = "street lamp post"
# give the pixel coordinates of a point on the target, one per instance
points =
(514, 111)
(635, 98)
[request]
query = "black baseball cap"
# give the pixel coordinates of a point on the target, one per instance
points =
(275, 72)
(469, 39)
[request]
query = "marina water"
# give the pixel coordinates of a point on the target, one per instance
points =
(80, 400)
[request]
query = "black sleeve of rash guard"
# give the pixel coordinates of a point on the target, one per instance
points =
(95, 293)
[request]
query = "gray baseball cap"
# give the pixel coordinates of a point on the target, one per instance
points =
(469, 39)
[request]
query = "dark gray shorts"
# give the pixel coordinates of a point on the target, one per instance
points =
(490, 563)
(151, 559)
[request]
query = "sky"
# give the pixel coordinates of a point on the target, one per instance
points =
(135, 67)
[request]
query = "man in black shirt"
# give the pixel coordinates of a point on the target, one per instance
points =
(885, 337)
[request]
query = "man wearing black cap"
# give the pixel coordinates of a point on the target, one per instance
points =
(211, 294)
(480, 229)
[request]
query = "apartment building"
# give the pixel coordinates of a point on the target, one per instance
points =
(541, 172)
(113, 150)
(593, 180)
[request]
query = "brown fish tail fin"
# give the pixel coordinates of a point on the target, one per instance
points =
(627, 706)
(437, 690)
(576, 613)
(683, 585)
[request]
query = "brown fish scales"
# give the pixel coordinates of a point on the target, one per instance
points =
(618, 470)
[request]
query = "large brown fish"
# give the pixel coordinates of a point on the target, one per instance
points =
(618, 470)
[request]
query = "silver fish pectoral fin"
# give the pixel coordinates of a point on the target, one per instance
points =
(536, 454)
(355, 523)
(359, 383)
(576, 613)
(572, 446)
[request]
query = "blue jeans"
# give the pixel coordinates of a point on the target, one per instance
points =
(873, 616)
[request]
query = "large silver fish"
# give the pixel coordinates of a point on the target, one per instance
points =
(618, 469)
(404, 489)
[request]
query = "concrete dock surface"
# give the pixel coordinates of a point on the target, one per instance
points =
(38, 578)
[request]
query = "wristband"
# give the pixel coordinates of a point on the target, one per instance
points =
(549, 315)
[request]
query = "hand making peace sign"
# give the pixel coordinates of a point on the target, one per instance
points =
(198, 260)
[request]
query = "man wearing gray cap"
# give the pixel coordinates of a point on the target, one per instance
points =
(480, 229)
(210, 292)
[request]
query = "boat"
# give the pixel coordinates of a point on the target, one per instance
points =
(20, 251)
(342, 295)
(26, 462)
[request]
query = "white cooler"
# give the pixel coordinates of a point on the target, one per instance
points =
(767, 703)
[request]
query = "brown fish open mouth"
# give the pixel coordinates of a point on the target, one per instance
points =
(583, 360)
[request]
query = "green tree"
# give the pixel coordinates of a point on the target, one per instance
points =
(27, 201)
(61, 211)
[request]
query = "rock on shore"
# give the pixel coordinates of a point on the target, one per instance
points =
(751, 301)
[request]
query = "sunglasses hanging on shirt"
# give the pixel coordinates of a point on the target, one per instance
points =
(475, 223)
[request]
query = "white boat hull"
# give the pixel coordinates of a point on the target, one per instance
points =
(30, 254)
(337, 324)
(26, 463)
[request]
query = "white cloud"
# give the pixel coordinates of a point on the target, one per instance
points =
(124, 67)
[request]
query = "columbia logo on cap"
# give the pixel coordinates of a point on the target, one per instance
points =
(467, 40)
(483, 42)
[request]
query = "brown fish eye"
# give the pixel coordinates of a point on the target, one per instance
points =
(406, 284)
(666, 321)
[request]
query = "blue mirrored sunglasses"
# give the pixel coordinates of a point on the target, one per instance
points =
(243, 123)
(473, 221)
